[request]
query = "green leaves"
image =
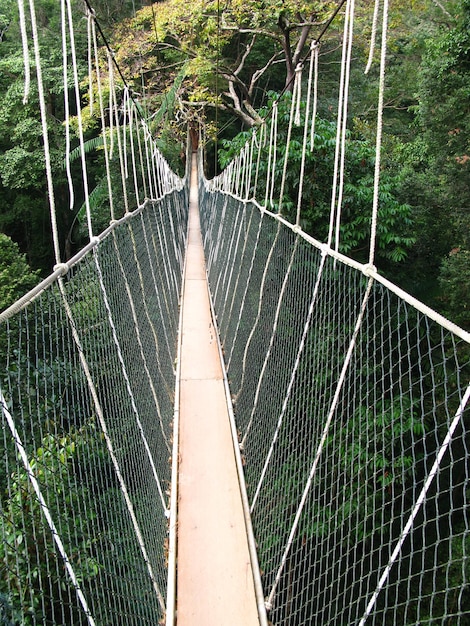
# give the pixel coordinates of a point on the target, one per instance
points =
(394, 231)
(16, 277)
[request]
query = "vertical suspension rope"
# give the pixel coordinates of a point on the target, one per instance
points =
(109, 445)
(24, 41)
(418, 504)
(321, 444)
(79, 119)
(375, 203)
(295, 97)
(90, 20)
(103, 121)
(271, 157)
(316, 53)
(45, 509)
(339, 203)
(372, 37)
(45, 133)
(339, 126)
(66, 105)
(313, 47)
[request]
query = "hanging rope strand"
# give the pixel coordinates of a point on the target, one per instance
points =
(45, 133)
(26, 61)
(66, 104)
(79, 120)
(378, 145)
(339, 126)
(344, 122)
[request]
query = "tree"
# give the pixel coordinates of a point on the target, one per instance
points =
(394, 233)
(232, 51)
(435, 171)
(16, 277)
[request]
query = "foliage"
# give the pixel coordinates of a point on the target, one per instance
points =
(231, 52)
(394, 221)
(30, 563)
(16, 277)
(454, 280)
(24, 212)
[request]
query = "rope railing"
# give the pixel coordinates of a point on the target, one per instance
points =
(87, 386)
(351, 405)
(350, 396)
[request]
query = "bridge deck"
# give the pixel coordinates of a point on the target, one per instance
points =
(214, 575)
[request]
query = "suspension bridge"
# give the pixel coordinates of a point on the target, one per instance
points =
(211, 417)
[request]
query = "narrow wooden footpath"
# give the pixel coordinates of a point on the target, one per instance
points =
(214, 574)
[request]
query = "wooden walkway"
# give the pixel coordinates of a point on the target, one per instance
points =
(214, 574)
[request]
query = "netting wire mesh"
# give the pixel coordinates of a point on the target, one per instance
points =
(103, 479)
(353, 523)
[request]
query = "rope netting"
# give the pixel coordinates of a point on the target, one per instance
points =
(351, 398)
(87, 410)
(88, 375)
(351, 414)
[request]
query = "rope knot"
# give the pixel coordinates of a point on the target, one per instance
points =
(94, 241)
(63, 268)
(369, 269)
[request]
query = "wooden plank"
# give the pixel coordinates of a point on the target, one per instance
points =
(214, 575)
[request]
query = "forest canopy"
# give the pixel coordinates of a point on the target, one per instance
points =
(217, 64)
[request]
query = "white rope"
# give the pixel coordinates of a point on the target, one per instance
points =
(156, 287)
(293, 376)
(298, 93)
(295, 97)
(339, 125)
(260, 304)
(126, 377)
(233, 247)
(261, 143)
(375, 202)
(125, 117)
(272, 155)
(372, 36)
(141, 157)
(316, 54)
(143, 300)
(304, 145)
(109, 444)
(419, 503)
(132, 115)
(240, 263)
(103, 120)
(321, 444)
(344, 121)
(26, 61)
(149, 172)
(45, 133)
(66, 105)
(120, 149)
(271, 342)
(79, 120)
(250, 166)
(111, 104)
(45, 509)
(90, 20)
(247, 284)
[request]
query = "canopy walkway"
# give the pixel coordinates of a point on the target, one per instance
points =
(211, 417)
(215, 577)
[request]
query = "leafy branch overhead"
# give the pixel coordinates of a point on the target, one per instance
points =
(228, 49)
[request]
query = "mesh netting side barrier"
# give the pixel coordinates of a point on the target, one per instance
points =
(352, 412)
(85, 464)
